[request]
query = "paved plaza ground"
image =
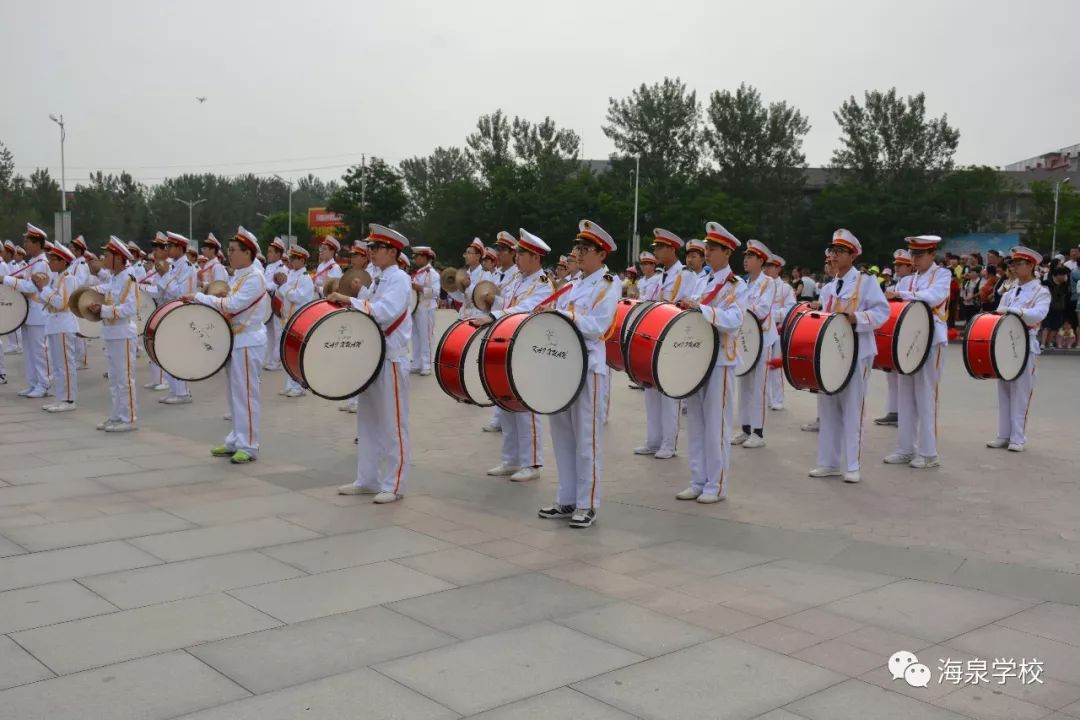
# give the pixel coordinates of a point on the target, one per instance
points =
(141, 578)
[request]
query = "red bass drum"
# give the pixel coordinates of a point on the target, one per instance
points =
(334, 350)
(671, 349)
(821, 353)
(996, 347)
(789, 320)
(457, 362)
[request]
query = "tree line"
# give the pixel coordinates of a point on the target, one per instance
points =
(731, 156)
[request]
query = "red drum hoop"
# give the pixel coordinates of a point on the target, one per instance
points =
(333, 350)
(457, 362)
(904, 341)
(189, 341)
(996, 346)
(145, 307)
(822, 352)
(671, 349)
(789, 320)
(14, 309)
(533, 362)
(613, 346)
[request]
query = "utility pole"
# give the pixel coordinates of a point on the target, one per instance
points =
(64, 225)
(363, 190)
(637, 183)
(1057, 191)
(190, 206)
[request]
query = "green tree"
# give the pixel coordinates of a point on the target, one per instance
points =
(277, 225)
(661, 123)
(489, 148)
(375, 193)
(1040, 217)
(424, 176)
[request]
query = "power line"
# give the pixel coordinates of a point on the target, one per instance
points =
(237, 174)
(205, 165)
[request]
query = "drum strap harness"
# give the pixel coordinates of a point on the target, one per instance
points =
(35, 297)
(941, 312)
(852, 302)
(62, 287)
(709, 298)
(123, 297)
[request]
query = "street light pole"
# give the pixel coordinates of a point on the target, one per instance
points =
(63, 176)
(190, 206)
(1057, 191)
(637, 182)
(292, 187)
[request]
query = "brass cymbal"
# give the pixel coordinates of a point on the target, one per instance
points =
(80, 301)
(330, 286)
(218, 288)
(353, 281)
(484, 294)
(448, 279)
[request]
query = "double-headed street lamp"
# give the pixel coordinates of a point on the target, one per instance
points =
(190, 206)
(1057, 191)
(63, 175)
(292, 187)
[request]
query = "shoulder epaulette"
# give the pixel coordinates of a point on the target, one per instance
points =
(733, 279)
(543, 278)
(609, 277)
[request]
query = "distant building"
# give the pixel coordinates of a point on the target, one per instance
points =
(1067, 158)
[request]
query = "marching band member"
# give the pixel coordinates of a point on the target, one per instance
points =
(60, 324)
(722, 300)
(503, 275)
(649, 276)
(662, 412)
(577, 432)
(695, 261)
(328, 268)
(180, 281)
(5, 256)
(858, 297)
(275, 252)
(917, 394)
(522, 441)
(903, 269)
(1029, 299)
(296, 289)
(81, 270)
(382, 418)
(118, 312)
(15, 263)
(212, 270)
(150, 284)
(246, 307)
(561, 271)
(827, 278)
(760, 297)
(487, 262)
(37, 367)
(573, 267)
(785, 300)
(475, 273)
(426, 282)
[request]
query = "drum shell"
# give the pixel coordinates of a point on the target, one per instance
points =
(885, 337)
(450, 356)
(645, 340)
(276, 304)
(789, 320)
(613, 346)
(495, 362)
(294, 343)
(980, 337)
(153, 324)
(19, 309)
(801, 364)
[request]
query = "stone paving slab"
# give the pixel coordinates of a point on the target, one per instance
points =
(52, 565)
(49, 604)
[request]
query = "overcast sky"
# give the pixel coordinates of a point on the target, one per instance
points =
(309, 85)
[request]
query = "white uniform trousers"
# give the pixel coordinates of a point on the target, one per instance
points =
(120, 355)
(841, 421)
(522, 440)
(890, 398)
(62, 358)
(242, 375)
(80, 351)
(13, 340)
(752, 395)
(273, 345)
(775, 376)
(917, 402)
(497, 416)
(607, 395)
(577, 434)
(1014, 403)
(3, 350)
(423, 331)
(661, 421)
(382, 431)
(35, 357)
(178, 388)
(157, 375)
(709, 415)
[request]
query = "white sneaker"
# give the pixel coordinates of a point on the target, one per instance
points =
(25, 393)
(35, 394)
(997, 443)
(898, 459)
(709, 499)
(1016, 447)
(777, 406)
(503, 470)
(493, 427)
(343, 407)
(120, 427)
(150, 386)
(227, 416)
(688, 494)
(820, 472)
(294, 393)
(664, 454)
(924, 463)
(351, 489)
(740, 439)
(385, 497)
(62, 407)
(754, 441)
(852, 476)
(811, 427)
(525, 474)
(178, 400)
(283, 391)
(645, 450)
(105, 423)
(82, 366)
(160, 387)
(49, 407)
(353, 408)
(272, 367)
(425, 373)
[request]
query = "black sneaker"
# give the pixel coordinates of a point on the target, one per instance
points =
(556, 512)
(583, 519)
(889, 419)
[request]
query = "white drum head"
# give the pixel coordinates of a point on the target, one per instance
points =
(547, 362)
(1010, 348)
(342, 354)
(13, 309)
(474, 387)
(145, 306)
(631, 316)
(837, 345)
(88, 329)
(192, 342)
(686, 355)
(912, 337)
(748, 344)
